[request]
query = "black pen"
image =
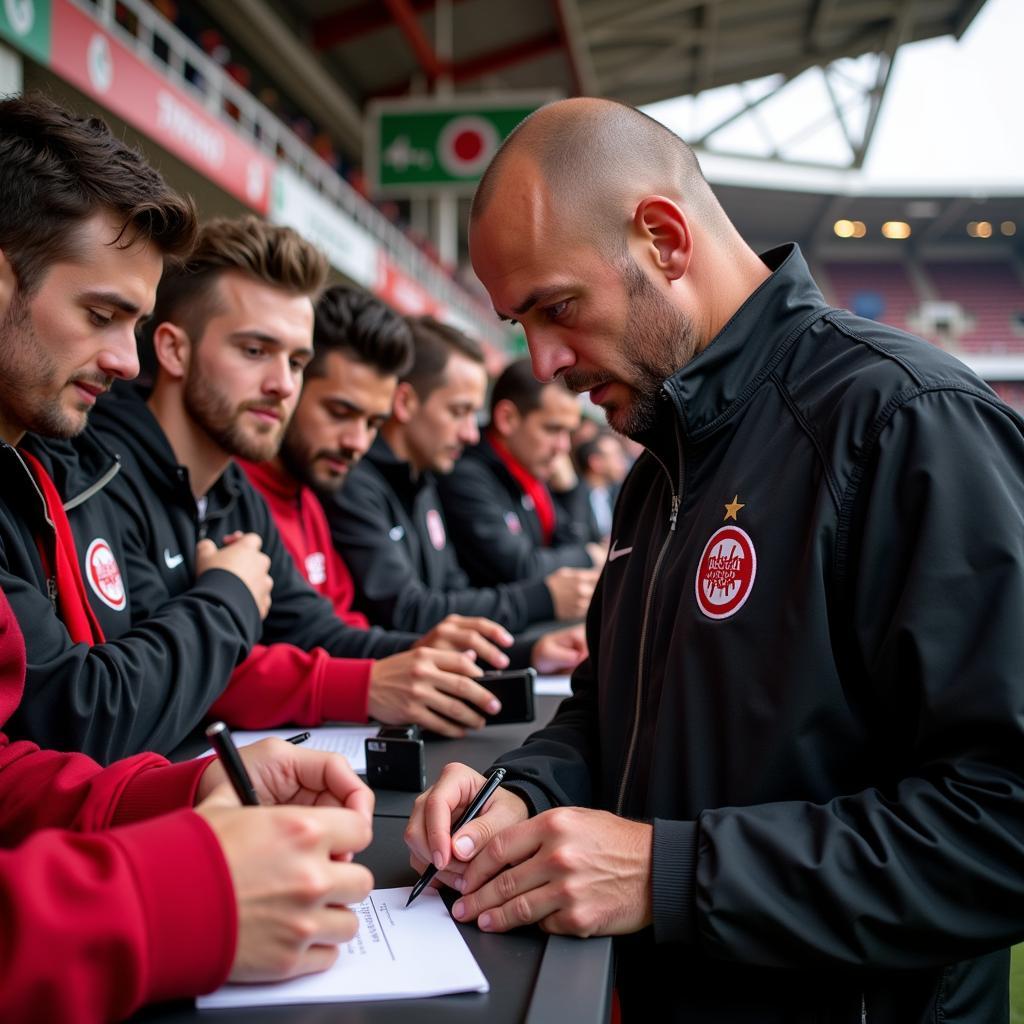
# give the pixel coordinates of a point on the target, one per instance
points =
(220, 736)
(474, 808)
(298, 738)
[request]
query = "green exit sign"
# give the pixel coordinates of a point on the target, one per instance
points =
(431, 144)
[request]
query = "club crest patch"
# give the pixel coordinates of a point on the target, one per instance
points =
(104, 575)
(725, 574)
(316, 568)
(435, 529)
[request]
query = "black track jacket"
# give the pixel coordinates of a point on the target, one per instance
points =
(496, 529)
(390, 531)
(807, 670)
(142, 689)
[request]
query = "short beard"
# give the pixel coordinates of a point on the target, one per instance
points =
(298, 461)
(215, 414)
(658, 340)
(27, 372)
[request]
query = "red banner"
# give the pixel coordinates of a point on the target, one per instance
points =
(102, 67)
(401, 291)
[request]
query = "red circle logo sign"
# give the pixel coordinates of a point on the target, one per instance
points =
(104, 575)
(725, 575)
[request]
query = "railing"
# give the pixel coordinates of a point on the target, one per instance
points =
(165, 48)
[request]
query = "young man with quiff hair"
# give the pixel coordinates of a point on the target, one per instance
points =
(104, 870)
(790, 776)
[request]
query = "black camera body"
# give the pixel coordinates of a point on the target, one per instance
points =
(395, 759)
(514, 688)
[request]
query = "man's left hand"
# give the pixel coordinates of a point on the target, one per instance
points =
(574, 871)
(284, 773)
(470, 633)
(559, 651)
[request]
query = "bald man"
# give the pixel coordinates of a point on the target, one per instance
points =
(790, 774)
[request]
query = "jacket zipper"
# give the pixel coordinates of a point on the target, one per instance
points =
(51, 581)
(863, 1009)
(673, 517)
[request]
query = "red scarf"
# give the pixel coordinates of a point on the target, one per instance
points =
(534, 489)
(72, 601)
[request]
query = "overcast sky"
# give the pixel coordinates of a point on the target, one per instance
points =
(953, 116)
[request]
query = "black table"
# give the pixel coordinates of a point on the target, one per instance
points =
(534, 977)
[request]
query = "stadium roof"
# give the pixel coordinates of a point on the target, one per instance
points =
(638, 51)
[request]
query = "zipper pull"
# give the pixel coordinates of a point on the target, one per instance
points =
(675, 513)
(51, 591)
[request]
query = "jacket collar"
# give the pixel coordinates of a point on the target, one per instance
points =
(269, 477)
(722, 377)
(397, 473)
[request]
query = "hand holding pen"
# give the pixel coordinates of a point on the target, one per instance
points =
(475, 806)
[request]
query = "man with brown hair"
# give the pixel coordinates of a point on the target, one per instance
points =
(92, 859)
(231, 334)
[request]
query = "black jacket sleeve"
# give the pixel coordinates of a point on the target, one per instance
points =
(491, 553)
(389, 586)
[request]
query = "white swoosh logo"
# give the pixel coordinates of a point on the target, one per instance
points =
(172, 561)
(618, 553)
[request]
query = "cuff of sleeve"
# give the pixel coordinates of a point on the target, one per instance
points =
(535, 797)
(673, 881)
(539, 606)
(162, 788)
(346, 690)
(235, 595)
(187, 901)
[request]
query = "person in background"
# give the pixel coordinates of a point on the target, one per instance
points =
(504, 522)
(601, 465)
(91, 859)
(385, 515)
(790, 778)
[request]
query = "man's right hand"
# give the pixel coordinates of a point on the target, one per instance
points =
(428, 834)
(429, 687)
(242, 555)
(291, 883)
(571, 590)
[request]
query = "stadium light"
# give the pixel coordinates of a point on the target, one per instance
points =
(896, 229)
(850, 228)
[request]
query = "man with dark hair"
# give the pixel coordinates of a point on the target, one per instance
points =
(93, 918)
(790, 775)
(601, 467)
(347, 392)
(227, 386)
(387, 521)
(504, 521)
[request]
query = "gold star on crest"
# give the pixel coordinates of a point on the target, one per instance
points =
(732, 508)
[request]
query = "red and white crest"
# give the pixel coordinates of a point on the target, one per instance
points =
(725, 575)
(435, 529)
(104, 575)
(316, 568)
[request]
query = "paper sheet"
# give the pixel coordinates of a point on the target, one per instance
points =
(398, 953)
(552, 686)
(340, 739)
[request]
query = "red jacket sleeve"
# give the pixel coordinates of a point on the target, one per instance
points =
(96, 924)
(280, 684)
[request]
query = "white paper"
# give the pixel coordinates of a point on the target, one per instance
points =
(552, 686)
(339, 739)
(398, 953)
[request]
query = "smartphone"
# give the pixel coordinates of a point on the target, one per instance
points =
(514, 688)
